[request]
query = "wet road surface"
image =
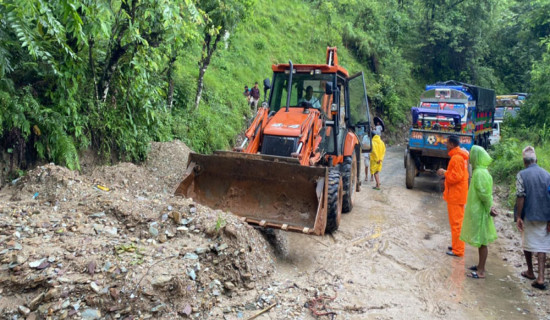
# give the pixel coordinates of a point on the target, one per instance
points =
(387, 260)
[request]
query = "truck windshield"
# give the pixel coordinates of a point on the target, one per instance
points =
(457, 107)
(308, 87)
(500, 112)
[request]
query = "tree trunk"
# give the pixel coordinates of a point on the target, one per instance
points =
(200, 86)
(170, 100)
(208, 49)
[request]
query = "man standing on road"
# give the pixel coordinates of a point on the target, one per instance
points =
(456, 191)
(254, 97)
(377, 157)
(533, 207)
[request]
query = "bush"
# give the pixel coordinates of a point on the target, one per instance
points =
(508, 162)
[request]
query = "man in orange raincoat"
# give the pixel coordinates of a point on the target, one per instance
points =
(456, 191)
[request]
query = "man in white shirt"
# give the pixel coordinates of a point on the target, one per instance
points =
(314, 101)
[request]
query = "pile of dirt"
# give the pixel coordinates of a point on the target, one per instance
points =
(117, 243)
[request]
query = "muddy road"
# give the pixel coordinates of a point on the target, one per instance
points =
(387, 261)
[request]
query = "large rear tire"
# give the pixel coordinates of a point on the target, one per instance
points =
(349, 180)
(334, 201)
(411, 172)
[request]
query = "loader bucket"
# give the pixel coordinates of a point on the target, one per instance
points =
(272, 192)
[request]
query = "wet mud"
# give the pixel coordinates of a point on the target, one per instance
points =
(388, 261)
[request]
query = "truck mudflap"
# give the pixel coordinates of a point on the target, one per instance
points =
(268, 191)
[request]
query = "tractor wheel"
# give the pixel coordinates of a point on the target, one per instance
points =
(405, 159)
(334, 201)
(411, 172)
(349, 181)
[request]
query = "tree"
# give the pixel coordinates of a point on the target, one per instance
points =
(221, 16)
(88, 71)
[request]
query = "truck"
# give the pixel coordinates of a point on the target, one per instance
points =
(506, 105)
(298, 166)
(447, 108)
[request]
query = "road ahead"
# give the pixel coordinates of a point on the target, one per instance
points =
(387, 260)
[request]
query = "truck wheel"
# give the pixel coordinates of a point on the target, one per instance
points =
(410, 172)
(349, 181)
(334, 201)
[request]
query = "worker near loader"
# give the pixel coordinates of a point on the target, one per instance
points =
(478, 227)
(377, 157)
(456, 191)
(254, 97)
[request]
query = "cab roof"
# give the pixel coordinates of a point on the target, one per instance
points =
(310, 67)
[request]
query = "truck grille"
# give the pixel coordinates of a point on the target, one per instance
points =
(279, 146)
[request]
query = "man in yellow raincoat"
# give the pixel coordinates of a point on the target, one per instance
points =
(377, 157)
(456, 191)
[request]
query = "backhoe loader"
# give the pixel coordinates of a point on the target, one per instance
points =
(298, 167)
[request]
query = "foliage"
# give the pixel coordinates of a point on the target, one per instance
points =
(114, 75)
(88, 72)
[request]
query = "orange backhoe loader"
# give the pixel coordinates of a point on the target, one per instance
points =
(298, 168)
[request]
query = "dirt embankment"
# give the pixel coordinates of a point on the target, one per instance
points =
(116, 243)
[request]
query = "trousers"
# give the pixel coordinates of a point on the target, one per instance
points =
(456, 215)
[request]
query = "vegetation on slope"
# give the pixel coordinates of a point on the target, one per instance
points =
(114, 75)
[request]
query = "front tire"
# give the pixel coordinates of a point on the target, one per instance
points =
(411, 172)
(349, 180)
(334, 201)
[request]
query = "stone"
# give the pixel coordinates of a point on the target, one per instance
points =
(98, 215)
(24, 310)
(230, 231)
(111, 230)
(221, 247)
(36, 301)
(191, 255)
(115, 293)
(191, 273)
(95, 287)
(161, 281)
(51, 294)
(163, 238)
(32, 316)
(187, 310)
(200, 250)
(91, 314)
(158, 308)
(229, 285)
(153, 231)
(36, 263)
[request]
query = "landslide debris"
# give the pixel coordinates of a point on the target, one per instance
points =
(116, 243)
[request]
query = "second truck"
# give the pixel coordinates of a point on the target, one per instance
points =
(446, 108)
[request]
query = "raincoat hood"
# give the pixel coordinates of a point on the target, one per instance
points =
(461, 152)
(479, 158)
